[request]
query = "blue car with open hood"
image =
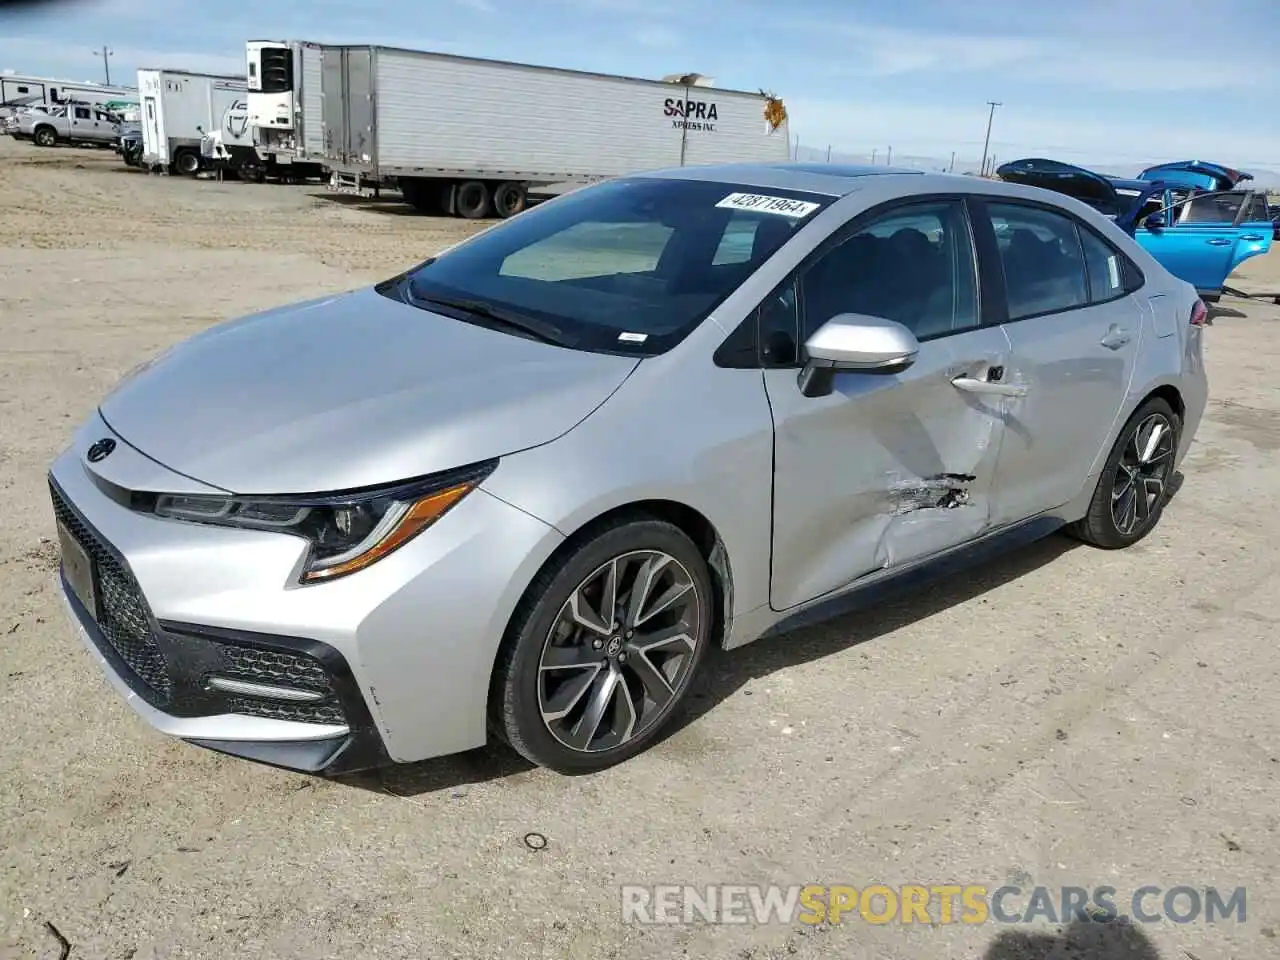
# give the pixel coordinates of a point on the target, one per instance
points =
(1193, 216)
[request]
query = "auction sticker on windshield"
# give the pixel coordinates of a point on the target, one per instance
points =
(759, 203)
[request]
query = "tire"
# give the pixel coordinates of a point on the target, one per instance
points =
(472, 200)
(186, 163)
(45, 136)
(1106, 525)
(522, 687)
(509, 199)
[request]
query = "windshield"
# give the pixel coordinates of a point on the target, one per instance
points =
(629, 265)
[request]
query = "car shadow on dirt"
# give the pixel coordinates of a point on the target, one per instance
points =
(1080, 940)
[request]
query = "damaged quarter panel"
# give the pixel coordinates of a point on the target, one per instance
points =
(884, 470)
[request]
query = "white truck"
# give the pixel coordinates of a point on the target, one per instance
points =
(285, 107)
(180, 109)
(469, 137)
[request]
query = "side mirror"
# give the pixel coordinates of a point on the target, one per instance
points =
(852, 342)
(1154, 222)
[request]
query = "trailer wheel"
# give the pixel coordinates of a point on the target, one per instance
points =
(509, 199)
(186, 163)
(472, 200)
(45, 136)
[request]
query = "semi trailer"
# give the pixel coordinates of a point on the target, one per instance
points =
(285, 107)
(469, 137)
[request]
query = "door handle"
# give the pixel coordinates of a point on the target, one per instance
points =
(1218, 242)
(1251, 237)
(1115, 338)
(974, 385)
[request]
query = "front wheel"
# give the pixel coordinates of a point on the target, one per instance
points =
(603, 648)
(45, 137)
(1133, 488)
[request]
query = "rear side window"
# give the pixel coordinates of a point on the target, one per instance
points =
(82, 113)
(1111, 274)
(1043, 264)
(1258, 212)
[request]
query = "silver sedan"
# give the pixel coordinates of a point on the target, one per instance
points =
(519, 490)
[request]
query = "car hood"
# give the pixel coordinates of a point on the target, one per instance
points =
(352, 391)
(1095, 189)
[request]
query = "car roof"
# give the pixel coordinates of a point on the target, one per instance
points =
(828, 179)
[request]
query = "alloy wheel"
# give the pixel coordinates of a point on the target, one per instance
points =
(1142, 474)
(620, 651)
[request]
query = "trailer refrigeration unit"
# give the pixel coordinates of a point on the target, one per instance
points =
(469, 137)
(285, 107)
(180, 109)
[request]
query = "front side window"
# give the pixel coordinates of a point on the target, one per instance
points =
(913, 265)
(629, 265)
(82, 113)
(1042, 260)
(1211, 208)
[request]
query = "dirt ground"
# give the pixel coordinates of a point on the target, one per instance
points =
(1062, 716)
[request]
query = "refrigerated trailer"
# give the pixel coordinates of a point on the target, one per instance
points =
(469, 137)
(285, 107)
(180, 109)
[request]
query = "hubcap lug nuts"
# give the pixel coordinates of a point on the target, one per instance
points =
(597, 644)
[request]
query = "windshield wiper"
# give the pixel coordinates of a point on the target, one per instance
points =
(522, 322)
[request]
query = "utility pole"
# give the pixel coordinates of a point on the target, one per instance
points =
(951, 168)
(874, 151)
(986, 143)
(106, 67)
(888, 160)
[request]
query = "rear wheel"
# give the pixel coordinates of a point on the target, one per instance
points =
(186, 163)
(472, 199)
(1133, 487)
(603, 649)
(509, 199)
(45, 137)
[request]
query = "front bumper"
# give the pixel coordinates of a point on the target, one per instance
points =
(388, 664)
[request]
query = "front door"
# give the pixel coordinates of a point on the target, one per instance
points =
(1074, 331)
(1206, 237)
(888, 468)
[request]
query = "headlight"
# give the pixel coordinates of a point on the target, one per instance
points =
(347, 531)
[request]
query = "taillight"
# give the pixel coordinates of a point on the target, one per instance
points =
(1199, 314)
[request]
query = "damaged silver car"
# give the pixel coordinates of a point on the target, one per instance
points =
(520, 490)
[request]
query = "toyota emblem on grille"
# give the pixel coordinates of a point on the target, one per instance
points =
(101, 449)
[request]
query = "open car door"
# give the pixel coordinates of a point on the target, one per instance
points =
(1204, 237)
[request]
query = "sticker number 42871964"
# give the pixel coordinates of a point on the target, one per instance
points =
(760, 203)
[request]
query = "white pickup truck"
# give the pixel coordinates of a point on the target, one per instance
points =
(75, 123)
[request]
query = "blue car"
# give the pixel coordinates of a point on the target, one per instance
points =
(1190, 215)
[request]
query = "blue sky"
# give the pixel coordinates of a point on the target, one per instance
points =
(1108, 83)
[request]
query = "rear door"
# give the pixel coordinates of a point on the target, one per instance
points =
(1074, 331)
(887, 468)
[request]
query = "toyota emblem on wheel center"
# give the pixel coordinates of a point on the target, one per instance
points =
(100, 449)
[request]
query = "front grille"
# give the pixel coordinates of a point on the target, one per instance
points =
(122, 612)
(169, 665)
(282, 669)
